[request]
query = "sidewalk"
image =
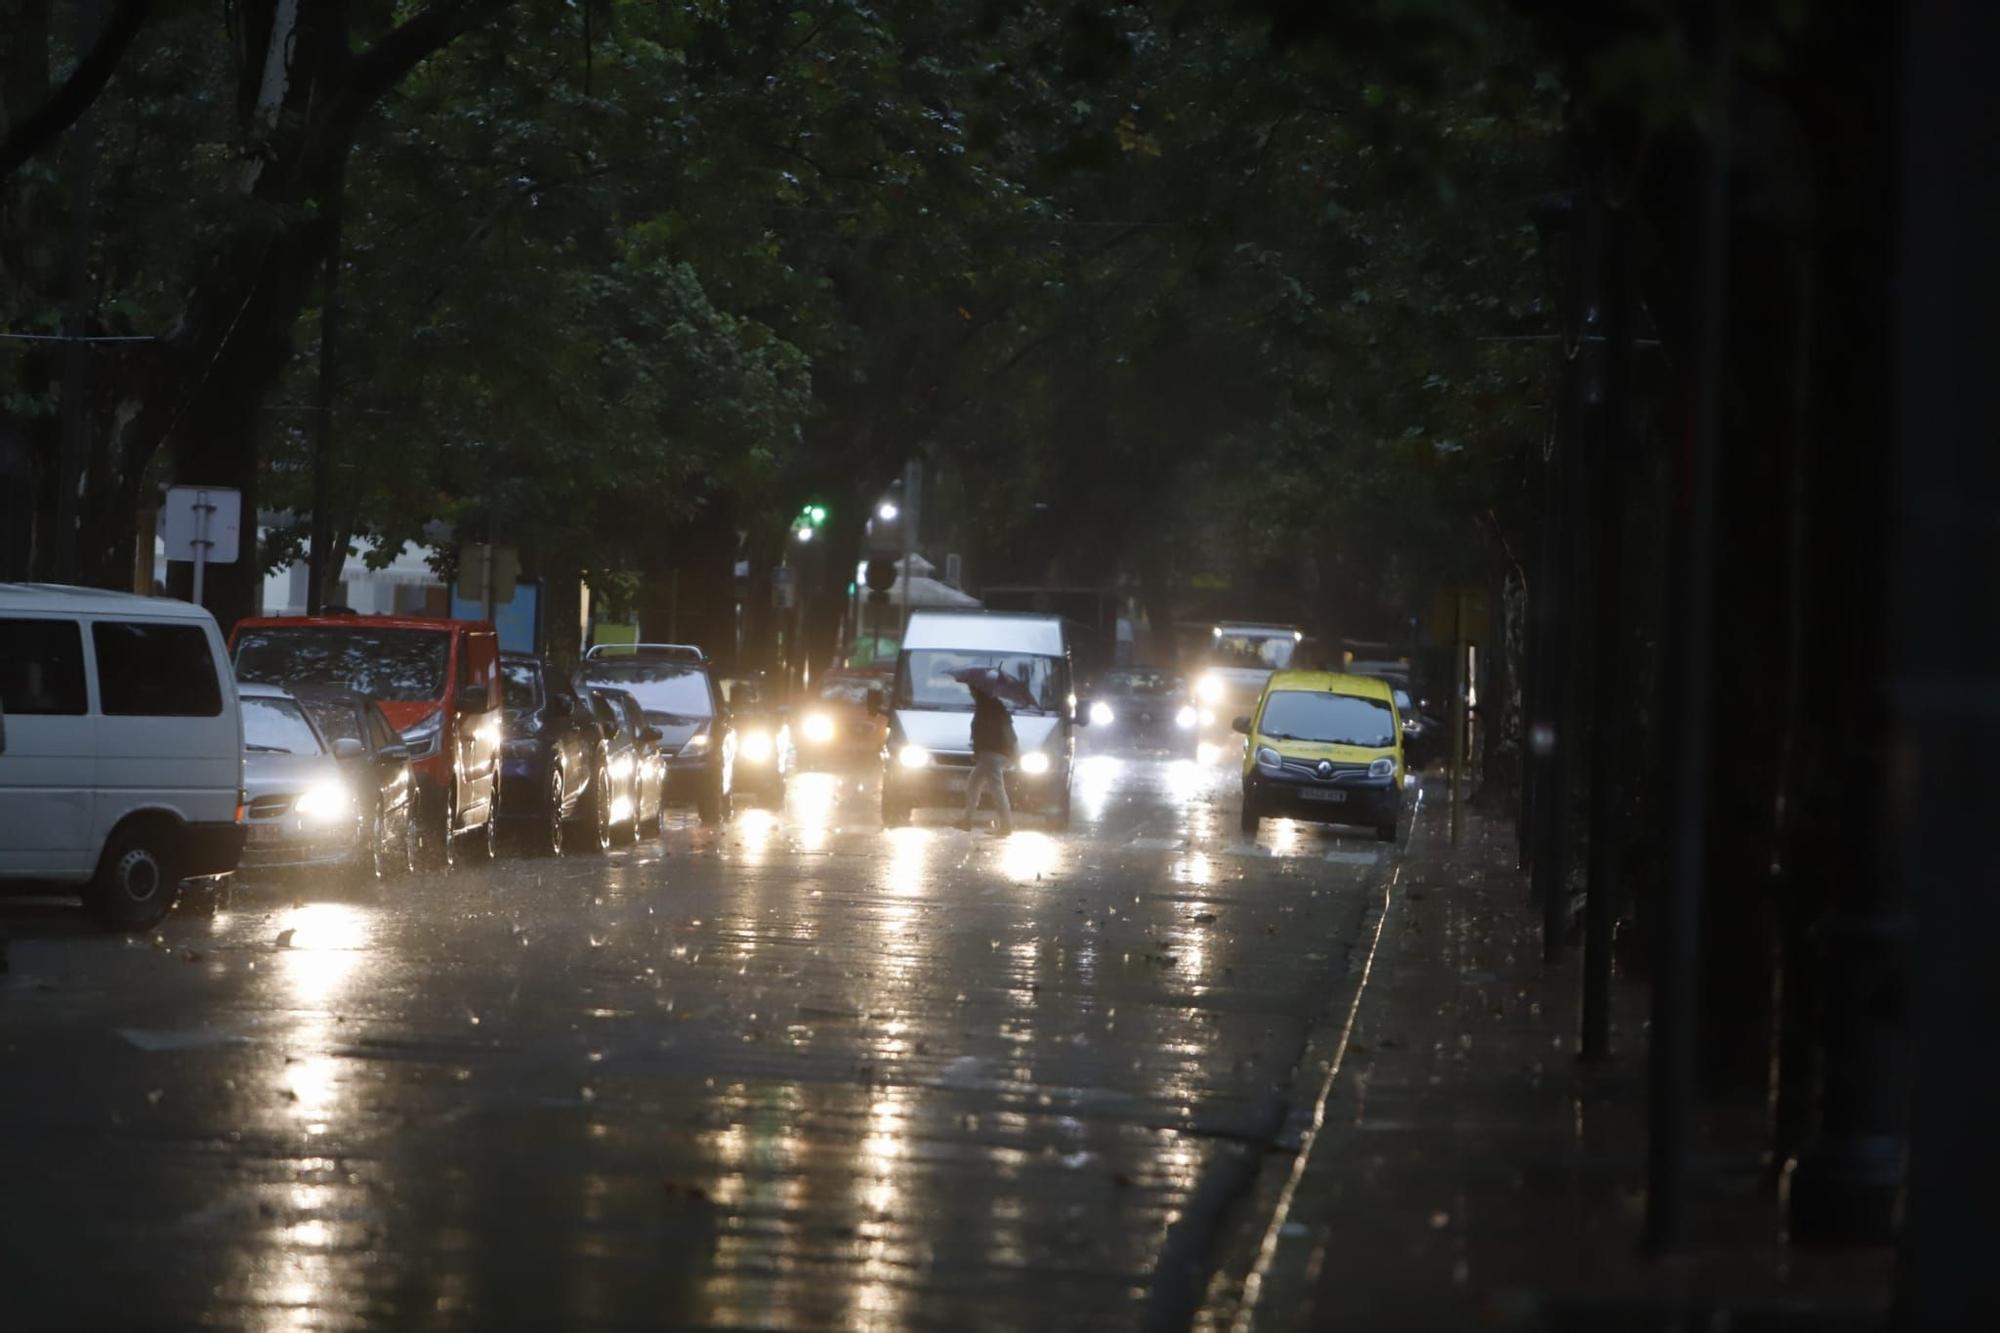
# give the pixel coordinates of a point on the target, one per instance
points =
(1470, 1174)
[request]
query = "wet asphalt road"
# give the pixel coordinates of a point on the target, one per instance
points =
(797, 1072)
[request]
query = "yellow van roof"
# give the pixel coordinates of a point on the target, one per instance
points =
(1332, 682)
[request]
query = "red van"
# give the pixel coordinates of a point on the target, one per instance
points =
(438, 682)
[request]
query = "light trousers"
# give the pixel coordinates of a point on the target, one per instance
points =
(989, 770)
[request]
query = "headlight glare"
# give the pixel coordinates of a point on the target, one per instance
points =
(1209, 689)
(1034, 763)
(696, 743)
(818, 728)
(755, 747)
(1100, 714)
(325, 803)
(1186, 718)
(913, 756)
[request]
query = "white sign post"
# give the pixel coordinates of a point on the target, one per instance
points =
(202, 524)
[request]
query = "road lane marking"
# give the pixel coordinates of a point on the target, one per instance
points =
(1267, 1249)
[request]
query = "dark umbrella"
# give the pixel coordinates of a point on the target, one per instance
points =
(993, 681)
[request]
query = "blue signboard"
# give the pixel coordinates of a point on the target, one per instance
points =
(515, 619)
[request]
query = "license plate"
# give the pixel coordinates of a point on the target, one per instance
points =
(1322, 794)
(267, 833)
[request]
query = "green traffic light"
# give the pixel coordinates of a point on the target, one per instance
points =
(818, 513)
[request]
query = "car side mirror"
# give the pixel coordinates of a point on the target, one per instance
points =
(474, 699)
(875, 701)
(651, 735)
(1240, 725)
(394, 754)
(348, 747)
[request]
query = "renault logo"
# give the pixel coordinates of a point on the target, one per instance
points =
(1325, 771)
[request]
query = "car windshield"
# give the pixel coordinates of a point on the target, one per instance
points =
(928, 678)
(521, 686)
(277, 726)
(337, 719)
(847, 689)
(1261, 651)
(1327, 719)
(404, 665)
(671, 689)
(1140, 682)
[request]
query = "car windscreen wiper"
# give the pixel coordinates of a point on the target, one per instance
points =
(265, 749)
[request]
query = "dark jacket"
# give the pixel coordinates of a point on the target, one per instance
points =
(992, 728)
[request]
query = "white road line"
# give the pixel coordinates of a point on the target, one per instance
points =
(1355, 858)
(1246, 1308)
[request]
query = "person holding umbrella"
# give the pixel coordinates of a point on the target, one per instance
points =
(994, 746)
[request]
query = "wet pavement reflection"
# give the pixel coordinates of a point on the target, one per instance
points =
(799, 1071)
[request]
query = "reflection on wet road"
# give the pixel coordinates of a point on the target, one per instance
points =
(802, 1071)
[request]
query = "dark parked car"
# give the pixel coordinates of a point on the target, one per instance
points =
(1142, 706)
(551, 761)
(678, 696)
(636, 768)
(378, 772)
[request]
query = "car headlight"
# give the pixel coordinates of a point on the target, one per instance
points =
(696, 743)
(1209, 689)
(325, 803)
(913, 756)
(1269, 758)
(755, 747)
(818, 728)
(1100, 714)
(1385, 767)
(1187, 717)
(1034, 763)
(421, 738)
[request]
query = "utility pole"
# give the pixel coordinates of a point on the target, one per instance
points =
(1607, 680)
(321, 566)
(1689, 659)
(81, 161)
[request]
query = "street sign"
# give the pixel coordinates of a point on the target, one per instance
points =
(881, 574)
(475, 560)
(1451, 605)
(202, 524)
(210, 514)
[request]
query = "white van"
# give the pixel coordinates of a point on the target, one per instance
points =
(929, 754)
(121, 748)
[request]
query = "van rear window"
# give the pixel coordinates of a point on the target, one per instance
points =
(148, 669)
(41, 668)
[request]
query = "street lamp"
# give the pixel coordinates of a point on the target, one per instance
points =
(887, 511)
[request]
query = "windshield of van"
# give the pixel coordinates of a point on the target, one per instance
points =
(277, 726)
(1261, 651)
(928, 678)
(663, 689)
(403, 665)
(1328, 719)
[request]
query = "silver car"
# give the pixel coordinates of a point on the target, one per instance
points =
(301, 805)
